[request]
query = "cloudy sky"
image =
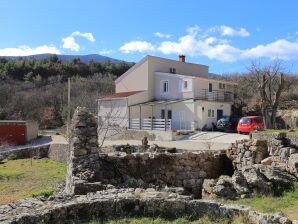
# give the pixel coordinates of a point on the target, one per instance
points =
(226, 35)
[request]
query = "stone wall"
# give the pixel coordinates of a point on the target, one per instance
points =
(83, 156)
(88, 169)
(117, 203)
(270, 137)
(28, 152)
(56, 152)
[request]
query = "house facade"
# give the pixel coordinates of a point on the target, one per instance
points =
(163, 94)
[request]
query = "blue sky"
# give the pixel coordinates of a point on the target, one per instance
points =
(226, 35)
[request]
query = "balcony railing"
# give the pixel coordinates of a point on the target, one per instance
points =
(215, 95)
(150, 124)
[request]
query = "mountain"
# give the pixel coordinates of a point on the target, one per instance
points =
(83, 58)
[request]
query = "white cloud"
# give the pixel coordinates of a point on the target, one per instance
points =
(204, 43)
(70, 43)
(140, 46)
(88, 36)
(162, 35)
(283, 49)
(26, 50)
(105, 51)
(229, 31)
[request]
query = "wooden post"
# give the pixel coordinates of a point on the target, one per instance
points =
(151, 117)
(140, 125)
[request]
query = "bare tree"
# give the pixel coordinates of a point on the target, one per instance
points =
(270, 83)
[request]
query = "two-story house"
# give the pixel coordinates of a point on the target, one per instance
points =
(163, 94)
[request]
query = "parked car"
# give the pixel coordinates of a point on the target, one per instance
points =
(227, 123)
(250, 123)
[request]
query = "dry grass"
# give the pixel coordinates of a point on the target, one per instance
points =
(26, 178)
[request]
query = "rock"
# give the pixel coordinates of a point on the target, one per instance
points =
(224, 188)
(267, 161)
(292, 165)
(1, 157)
(280, 135)
(262, 218)
(80, 152)
(208, 185)
(280, 179)
(240, 184)
(256, 181)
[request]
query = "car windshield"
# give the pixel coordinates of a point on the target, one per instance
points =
(245, 120)
(224, 119)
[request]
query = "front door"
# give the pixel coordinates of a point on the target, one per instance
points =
(219, 114)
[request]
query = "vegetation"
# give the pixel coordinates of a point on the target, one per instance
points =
(37, 88)
(29, 178)
(203, 220)
(270, 131)
(287, 203)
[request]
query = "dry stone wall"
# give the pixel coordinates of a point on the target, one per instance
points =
(89, 170)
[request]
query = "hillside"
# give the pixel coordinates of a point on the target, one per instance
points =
(83, 58)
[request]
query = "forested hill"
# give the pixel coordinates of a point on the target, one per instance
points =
(36, 89)
(83, 58)
(32, 68)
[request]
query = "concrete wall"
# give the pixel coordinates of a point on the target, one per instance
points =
(113, 112)
(176, 90)
(31, 130)
(202, 118)
(157, 64)
(136, 78)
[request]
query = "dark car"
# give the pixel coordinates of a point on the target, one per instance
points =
(227, 123)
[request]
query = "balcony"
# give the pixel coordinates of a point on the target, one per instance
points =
(215, 95)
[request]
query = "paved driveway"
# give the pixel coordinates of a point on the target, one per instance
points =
(198, 141)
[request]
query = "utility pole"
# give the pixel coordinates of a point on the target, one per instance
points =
(68, 110)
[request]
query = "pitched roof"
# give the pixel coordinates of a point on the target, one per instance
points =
(122, 94)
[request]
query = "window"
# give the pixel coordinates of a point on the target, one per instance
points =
(185, 85)
(210, 113)
(162, 114)
(210, 87)
(165, 86)
(222, 85)
(169, 114)
(173, 70)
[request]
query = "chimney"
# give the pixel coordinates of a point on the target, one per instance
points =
(182, 58)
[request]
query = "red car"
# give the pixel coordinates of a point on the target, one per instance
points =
(249, 124)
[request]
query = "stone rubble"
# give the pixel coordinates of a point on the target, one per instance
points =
(128, 181)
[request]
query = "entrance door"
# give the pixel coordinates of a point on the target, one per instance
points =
(219, 114)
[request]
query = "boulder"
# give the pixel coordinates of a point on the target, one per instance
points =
(240, 184)
(281, 180)
(224, 188)
(293, 164)
(256, 180)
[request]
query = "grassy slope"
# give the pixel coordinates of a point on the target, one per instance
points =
(287, 203)
(203, 220)
(21, 178)
(270, 131)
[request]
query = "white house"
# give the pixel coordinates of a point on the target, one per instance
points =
(163, 94)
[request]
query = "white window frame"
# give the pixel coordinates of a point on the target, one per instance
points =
(162, 86)
(212, 111)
